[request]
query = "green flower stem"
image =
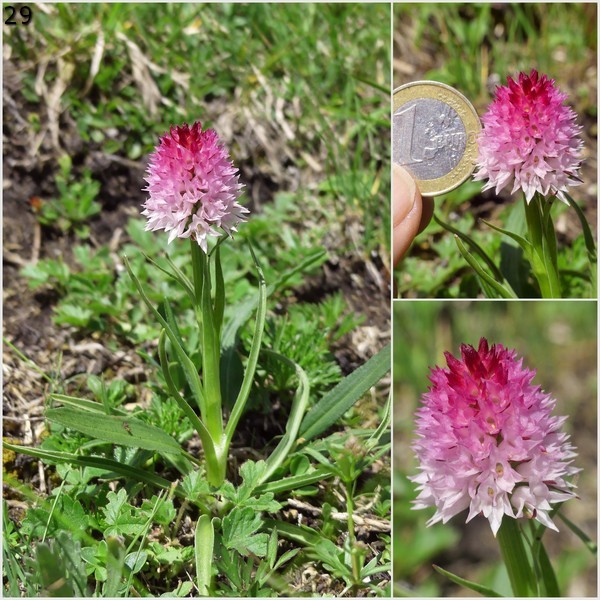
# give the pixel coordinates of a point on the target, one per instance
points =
(209, 317)
(541, 234)
(219, 293)
(198, 259)
(215, 464)
(211, 346)
(515, 558)
(211, 360)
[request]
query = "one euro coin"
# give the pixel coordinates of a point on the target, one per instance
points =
(434, 135)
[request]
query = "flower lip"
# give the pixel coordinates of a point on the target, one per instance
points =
(193, 186)
(530, 139)
(486, 440)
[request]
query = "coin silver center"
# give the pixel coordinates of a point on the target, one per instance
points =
(429, 138)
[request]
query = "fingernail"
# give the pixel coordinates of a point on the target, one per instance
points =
(404, 193)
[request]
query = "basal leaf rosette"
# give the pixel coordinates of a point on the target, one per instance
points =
(487, 441)
(193, 186)
(530, 139)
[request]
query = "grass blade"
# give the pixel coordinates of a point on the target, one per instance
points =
(295, 482)
(334, 404)
(98, 462)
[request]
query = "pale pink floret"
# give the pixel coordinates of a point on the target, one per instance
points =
(193, 186)
(487, 441)
(530, 139)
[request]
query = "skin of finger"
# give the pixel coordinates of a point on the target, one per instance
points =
(407, 211)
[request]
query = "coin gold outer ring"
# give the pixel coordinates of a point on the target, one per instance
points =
(468, 115)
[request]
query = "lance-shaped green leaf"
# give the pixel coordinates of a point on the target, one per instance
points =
(208, 444)
(504, 291)
(123, 431)
(588, 236)
(526, 245)
(170, 316)
(547, 577)
(245, 309)
(259, 326)
(204, 541)
(591, 545)
(189, 369)
(471, 585)
(296, 533)
(335, 403)
(317, 547)
(176, 274)
(97, 462)
(294, 420)
(473, 245)
(543, 239)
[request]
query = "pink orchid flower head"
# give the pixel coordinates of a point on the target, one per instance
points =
(193, 186)
(487, 441)
(530, 139)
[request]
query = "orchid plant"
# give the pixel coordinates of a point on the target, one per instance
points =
(194, 189)
(530, 142)
(487, 442)
(194, 193)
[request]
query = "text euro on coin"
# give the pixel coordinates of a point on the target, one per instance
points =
(434, 135)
